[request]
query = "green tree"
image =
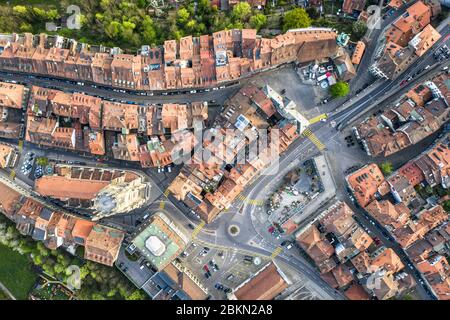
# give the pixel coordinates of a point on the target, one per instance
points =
(148, 31)
(113, 30)
(339, 89)
(241, 12)
(20, 10)
(313, 13)
(446, 206)
(359, 29)
(136, 295)
(297, 18)
(386, 167)
(258, 21)
(183, 16)
(429, 190)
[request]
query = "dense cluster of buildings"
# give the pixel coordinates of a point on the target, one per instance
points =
(409, 37)
(55, 229)
(252, 119)
(101, 192)
(8, 156)
(416, 220)
(149, 134)
(13, 99)
(191, 62)
(418, 114)
(350, 260)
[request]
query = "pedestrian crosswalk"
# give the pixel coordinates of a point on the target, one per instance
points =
(276, 252)
(253, 202)
(163, 203)
(312, 137)
(198, 229)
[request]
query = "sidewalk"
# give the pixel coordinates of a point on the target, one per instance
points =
(5, 290)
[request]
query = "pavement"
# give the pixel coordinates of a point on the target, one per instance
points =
(6, 291)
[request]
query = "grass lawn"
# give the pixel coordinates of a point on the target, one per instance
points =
(16, 273)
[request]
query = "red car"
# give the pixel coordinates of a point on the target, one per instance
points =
(271, 229)
(377, 241)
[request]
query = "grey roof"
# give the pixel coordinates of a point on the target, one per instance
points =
(38, 234)
(46, 214)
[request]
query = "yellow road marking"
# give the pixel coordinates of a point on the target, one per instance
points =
(318, 118)
(254, 202)
(163, 204)
(197, 229)
(276, 252)
(312, 137)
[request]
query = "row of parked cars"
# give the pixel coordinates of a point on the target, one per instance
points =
(442, 53)
(28, 163)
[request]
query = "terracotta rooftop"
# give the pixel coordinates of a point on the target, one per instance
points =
(358, 53)
(266, 285)
(64, 188)
(11, 95)
(389, 261)
(356, 292)
(365, 183)
(103, 245)
(9, 199)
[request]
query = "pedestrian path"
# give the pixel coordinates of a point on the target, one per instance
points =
(276, 252)
(198, 229)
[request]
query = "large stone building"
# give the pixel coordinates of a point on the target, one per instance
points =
(159, 240)
(101, 192)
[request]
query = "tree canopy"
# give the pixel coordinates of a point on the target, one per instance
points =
(359, 29)
(386, 167)
(296, 18)
(339, 89)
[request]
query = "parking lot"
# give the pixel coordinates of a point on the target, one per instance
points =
(305, 95)
(220, 271)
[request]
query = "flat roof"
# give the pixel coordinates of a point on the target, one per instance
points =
(163, 259)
